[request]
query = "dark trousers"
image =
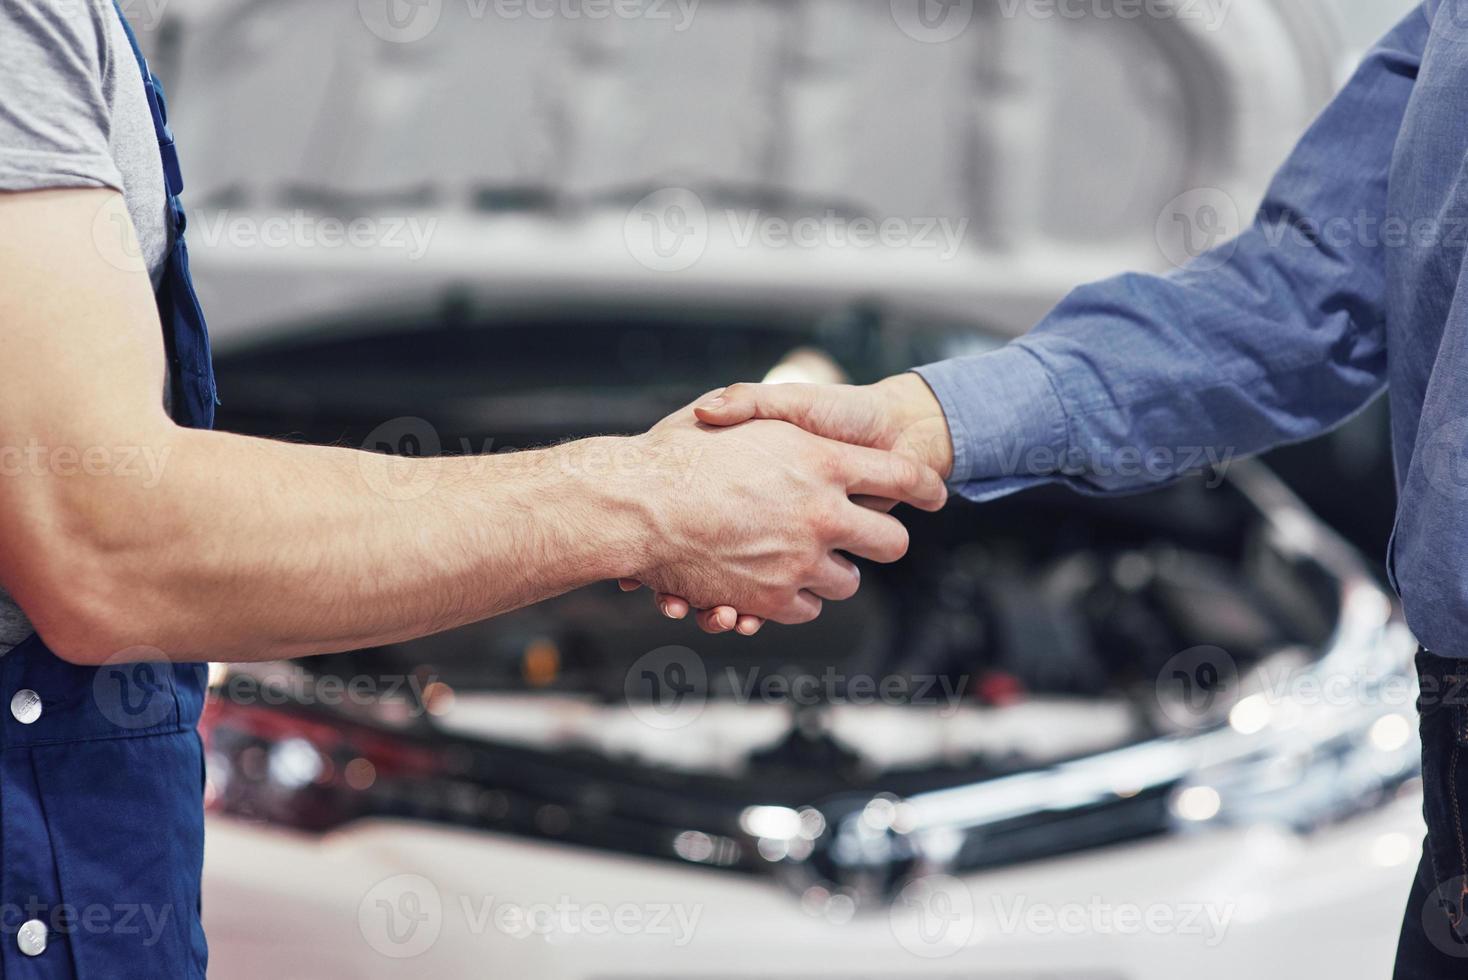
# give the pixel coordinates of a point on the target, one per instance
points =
(1434, 941)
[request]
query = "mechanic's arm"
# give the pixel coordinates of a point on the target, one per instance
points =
(119, 528)
(1134, 381)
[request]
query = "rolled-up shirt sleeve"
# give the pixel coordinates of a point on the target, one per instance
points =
(1274, 337)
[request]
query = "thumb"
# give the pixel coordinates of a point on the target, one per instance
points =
(742, 402)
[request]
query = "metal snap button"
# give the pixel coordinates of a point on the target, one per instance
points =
(32, 938)
(26, 706)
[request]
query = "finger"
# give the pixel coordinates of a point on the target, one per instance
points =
(672, 606)
(879, 504)
(874, 473)
(742, 402)
(707, 398)
(869, 534)
(837, 580)
(749, 625)
(628, 584)
(803, 608)
(720, 619)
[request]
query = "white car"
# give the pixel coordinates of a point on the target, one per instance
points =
(1066, 738)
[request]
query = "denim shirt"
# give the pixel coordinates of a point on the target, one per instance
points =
(1349, 279)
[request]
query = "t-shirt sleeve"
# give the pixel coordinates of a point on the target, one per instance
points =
(55, 117)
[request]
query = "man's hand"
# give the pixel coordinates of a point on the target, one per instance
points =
(899, 414)
(754, 517)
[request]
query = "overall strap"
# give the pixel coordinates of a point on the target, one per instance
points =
(172, 174)
(191, 371)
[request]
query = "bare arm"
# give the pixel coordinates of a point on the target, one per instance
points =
(241, 548)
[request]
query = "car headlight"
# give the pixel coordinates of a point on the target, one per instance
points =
(1308, 746)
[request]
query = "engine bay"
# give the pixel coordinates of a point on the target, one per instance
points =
(1002, 622)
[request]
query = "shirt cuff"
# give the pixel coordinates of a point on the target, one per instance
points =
(1008, 425)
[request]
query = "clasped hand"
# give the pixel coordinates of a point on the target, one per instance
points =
(788, 478)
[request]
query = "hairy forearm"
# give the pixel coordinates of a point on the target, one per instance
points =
(244, 549)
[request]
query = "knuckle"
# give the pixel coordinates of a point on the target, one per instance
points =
(824, 522)
(739, 391)
(829, 461)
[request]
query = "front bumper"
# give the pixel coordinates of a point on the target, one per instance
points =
(1236, 903)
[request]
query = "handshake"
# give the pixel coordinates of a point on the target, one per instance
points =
(788, 478)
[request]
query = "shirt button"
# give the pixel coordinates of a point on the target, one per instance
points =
(26, 706)
(32, 938)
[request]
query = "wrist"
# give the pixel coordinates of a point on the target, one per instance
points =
(909, 399)
(610, 485)
(919, 424)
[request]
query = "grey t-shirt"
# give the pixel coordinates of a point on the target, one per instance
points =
(73, 113)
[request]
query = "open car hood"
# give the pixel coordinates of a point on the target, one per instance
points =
(1049, 144)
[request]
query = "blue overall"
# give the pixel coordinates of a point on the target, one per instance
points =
(101, 769)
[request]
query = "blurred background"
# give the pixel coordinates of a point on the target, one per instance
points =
(1065, 738)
